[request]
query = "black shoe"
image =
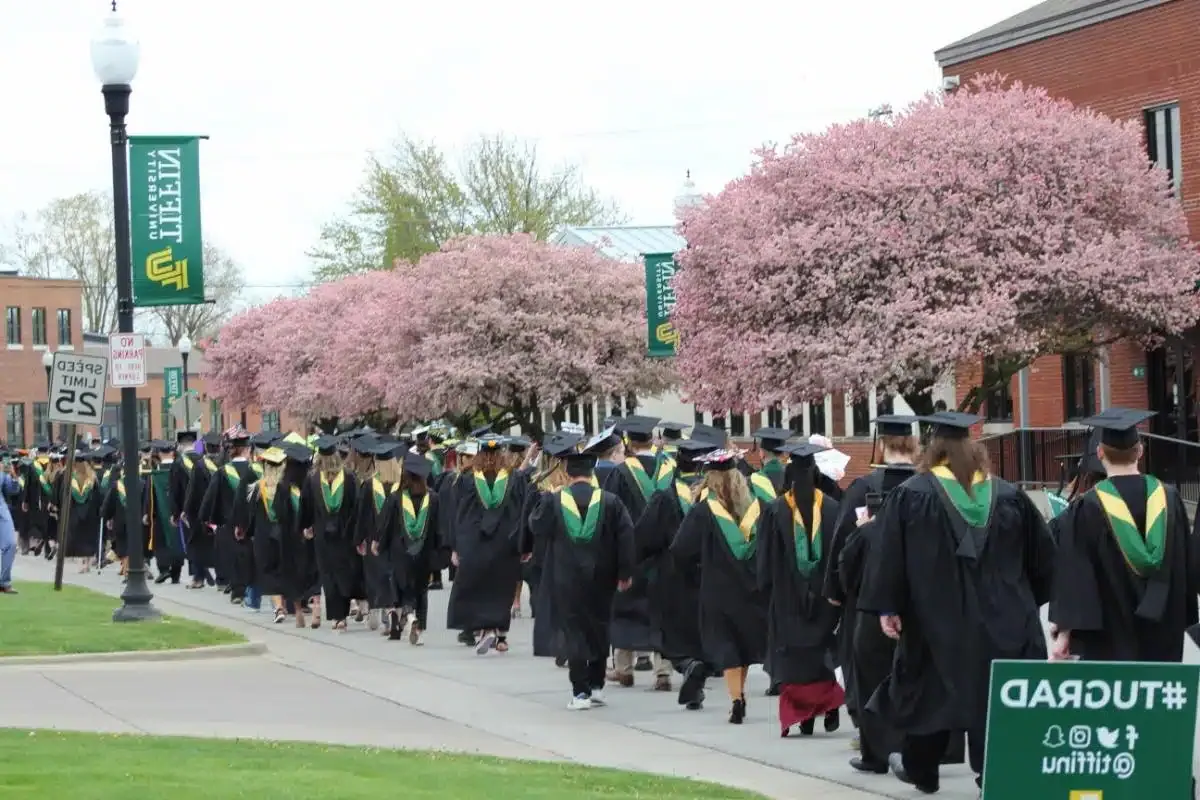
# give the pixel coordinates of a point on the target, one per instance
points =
(436, 586)
(862, 765)
(210, 580)
(833, 721)
(773, 691)
(693, 683)
(467, 638)
(395, 628)
(738, 712)
(643, 665)
(896, 762)
(808, 727)
(560, 662)
(162, 578)
(697, 703)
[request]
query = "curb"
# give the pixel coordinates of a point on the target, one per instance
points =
(192, 654)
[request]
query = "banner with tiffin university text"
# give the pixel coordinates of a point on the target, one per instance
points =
(164, 210)
(662, 338)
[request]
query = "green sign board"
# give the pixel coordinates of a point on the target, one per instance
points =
(660, 299)
(172, 383)
(164, 218)
(1090, 730)
(1139, 372)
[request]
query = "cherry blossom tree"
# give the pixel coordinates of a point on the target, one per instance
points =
(235, 357)
(993, 221)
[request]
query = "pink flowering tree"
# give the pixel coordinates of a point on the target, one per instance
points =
(994, 221)
(235, 356)
(507, 326)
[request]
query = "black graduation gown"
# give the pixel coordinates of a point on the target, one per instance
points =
(733, 610)
(281, 562)
(581, 575)
(225, 506)
(489, 566)
(411, 556)
(83, 535)
(673, 588)
(631, 614)
(1110, 611)
(959, 612)
(39, 497)
(800, 620)
(158, 508)
(17, 505)
(201, 539)
(112, 513)
(338, 563)
(371, 498)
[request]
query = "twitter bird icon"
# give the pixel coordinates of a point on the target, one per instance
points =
(1109, 738)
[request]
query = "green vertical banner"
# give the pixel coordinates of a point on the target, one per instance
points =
(1090, 730)
(164, 211)
(172, 383)
(662, 337)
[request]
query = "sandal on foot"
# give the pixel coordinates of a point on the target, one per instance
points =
(339, 626)
(502, 645)
(280, 615)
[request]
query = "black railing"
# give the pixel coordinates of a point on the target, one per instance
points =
(1033, 458)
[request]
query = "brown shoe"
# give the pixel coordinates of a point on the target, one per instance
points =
(8, 590)
(662, 683)
(622, 679)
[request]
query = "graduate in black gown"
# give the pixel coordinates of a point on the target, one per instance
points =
(1126, 577)
(585, 538)
(484, 542)
(865, 652)
(328, 501)
(793, 549)
(635, 480)
(963, 563)
(83, 525)
(669, 437)
(182, 468)
(159, 514)
(38, 502)
(368, 514)
(203, 566)
(407, 540)
(720, 537)
(673, 588)
(223, 494)
(522, 459)
(449, 494)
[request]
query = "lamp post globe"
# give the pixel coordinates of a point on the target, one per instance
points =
(115, 51)
(185, 346)
(185, 349)
(48, 365)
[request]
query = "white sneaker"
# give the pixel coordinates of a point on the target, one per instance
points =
(373, 620)
(598, 697)
(485, 644)
(416, 636)
(580, 702)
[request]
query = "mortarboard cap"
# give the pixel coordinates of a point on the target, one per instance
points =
(580, 461)
(478, 432)
(364, 444)
(773, 439)
(387, 437)
(1118, 426)
(638, 428)
(383, 451)
(185, 435)
(264, 439)
(417, 465)
(420, 431)
(798, 450)
(102, 452)
(952, 424)
(467, 448)
(518, 444)
(114, 443)
(326, 445)
(602, 441)
(710, 433)
(145, 447)
(491, 441)
(720, 460)
(298, 453)
(212, 439)
(159, 446)
(562, 444)
(895, 424)
(274, 455)
(294, 438)
(696, 447)
(673, 430)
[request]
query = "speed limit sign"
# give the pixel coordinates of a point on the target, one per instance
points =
(77, 384)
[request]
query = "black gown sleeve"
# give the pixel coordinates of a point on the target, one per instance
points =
(689, 539)
(623, 531)
(1039, 550)
(844, 526)
(1075, 601)
(885, 586)
(387, 526)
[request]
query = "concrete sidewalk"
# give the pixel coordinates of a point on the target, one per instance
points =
(358, 688)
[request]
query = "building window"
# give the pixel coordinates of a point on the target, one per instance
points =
(111, 421)
(270, 419)
(39, 327)
(737, 425)
(698, 417)
(168, 421)
(885, 404)
(143, 419)
(64, 326)
(12, 324)
(572, 416)
(216, 420)
(719, 423)
(1079, 386)
(14, 424)
(589, 418)
(614, 405)
(43, 428)
(775, 417)
(816, 418)
(997, 401)
(860, 418)
(1163, 143)
(631, 404)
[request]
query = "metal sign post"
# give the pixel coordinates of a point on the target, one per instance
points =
(77, 383)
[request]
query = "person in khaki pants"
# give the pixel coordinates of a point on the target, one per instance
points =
(625, 664)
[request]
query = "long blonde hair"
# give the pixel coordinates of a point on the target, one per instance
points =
(85, 473)
(272, 473)
(328, 466)
(362, 466)
(554, 475)
(730, 488)
(388, 471)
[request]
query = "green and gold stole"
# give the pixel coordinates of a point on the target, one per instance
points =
(233, 477)
(976, 508)
(267, 496)
(379, 492)
(414, 519)
(1143, 554)
(808, 543)
(333, 491)
(772, 468)
(742, 535)
(435, 460)
(580, 527)
(44, 481)
(491, 496)
(257, 469)
(763, 488)
(186, 461)
(210, 465)
(664, 474)
(80, 492)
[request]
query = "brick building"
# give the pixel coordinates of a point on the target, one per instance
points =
(42, 315)
(1133, 60)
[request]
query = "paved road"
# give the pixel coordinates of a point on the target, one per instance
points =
(357, 688)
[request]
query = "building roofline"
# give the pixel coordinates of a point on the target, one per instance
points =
(64, 282)
(998, 38)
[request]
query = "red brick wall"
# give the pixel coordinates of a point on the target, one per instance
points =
(1119, 68)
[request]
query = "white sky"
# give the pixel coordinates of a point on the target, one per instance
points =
(295, 93)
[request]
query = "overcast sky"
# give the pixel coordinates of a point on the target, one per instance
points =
(295, 93)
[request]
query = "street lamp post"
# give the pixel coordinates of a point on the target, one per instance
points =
(48, 365)
(115, 55)
(185, 350)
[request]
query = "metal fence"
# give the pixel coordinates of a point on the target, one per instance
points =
(1035, 458)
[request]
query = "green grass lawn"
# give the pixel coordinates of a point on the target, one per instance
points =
(85, 766)
(39, 621)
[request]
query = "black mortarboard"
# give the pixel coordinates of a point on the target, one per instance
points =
(185, 435)
(326, 445)
(799, 450)
(672, 430)
(387, 437)
(710, 433)
(264, 439)
(638, 428)
(299, 453)
(383, 451)
(562, 444)
(159, 446)
(895, 424)
(115, 444)
(720, 460)
(518, 444)
(478, 432)
(773, 439)
(417, 465)
(603, 441)
(145, 447)
(579, 462)
(695, 447)
(365, 444)
(212, 439)
(952, 424)
(1118, 426)
(102, 452)
(491, 441)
